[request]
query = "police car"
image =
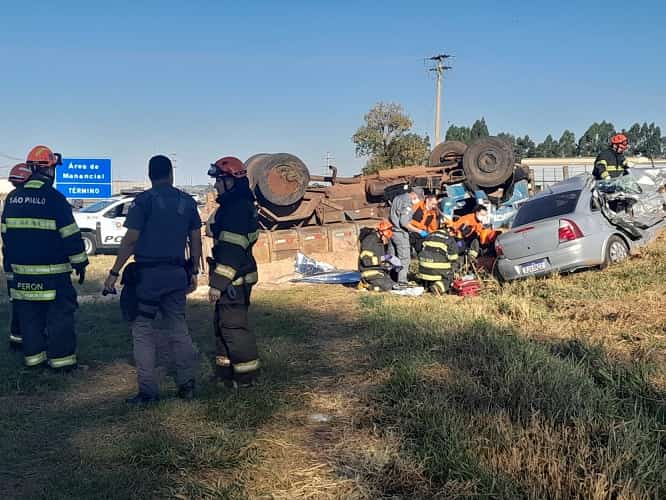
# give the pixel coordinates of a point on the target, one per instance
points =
(102, 223)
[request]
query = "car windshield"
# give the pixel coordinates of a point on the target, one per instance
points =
(97, 207)
(548, 206)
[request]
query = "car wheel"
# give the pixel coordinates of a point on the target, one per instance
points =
(89, 243)
(616, 251)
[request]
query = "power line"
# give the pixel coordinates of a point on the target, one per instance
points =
(439, 68)
(10, 157)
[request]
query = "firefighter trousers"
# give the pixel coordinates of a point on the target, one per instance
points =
(47, 329)
(237, 357)
(382, 283)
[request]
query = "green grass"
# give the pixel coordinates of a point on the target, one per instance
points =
(541, 389)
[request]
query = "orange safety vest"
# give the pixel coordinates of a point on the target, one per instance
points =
(425, 219)
(486, 236)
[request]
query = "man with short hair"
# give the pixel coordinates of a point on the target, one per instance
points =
(473, 229)
(400, 216)
(160, 222)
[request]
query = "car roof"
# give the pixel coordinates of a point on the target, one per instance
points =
(578, 182)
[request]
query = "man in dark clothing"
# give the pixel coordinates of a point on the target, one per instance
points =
(437, 261)
(374, 258)
(611, 162)
(160, 222)
(233, 272)
(42, 245)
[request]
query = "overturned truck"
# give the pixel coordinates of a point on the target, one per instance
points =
(290, 197)
(323, 214)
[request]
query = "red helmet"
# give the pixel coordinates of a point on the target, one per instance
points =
(19, 174)
(619, 140)
(43, 157)
(385, 228)
(229, 165)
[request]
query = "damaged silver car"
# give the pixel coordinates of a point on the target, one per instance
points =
(581, 223)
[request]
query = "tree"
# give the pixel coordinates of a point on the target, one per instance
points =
(385, 141)
(663, 147)
(566, 146)
(549, 148)
(479, 129)
(525, 147)
(595, 138)
(462, 134)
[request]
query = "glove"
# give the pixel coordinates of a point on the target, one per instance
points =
(423, 233)
(395, 262)
(386, 258)
(81, 273)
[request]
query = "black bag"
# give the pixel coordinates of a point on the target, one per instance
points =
(129, 304)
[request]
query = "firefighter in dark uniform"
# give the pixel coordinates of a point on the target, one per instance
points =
(374, 258)
(233, 272)
(611, 162)
(438, 261)
(160, 224)
(19, 175)
(42, 245)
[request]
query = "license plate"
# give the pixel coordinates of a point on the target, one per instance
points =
(534, 267)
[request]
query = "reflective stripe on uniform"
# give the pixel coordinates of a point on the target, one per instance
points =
(226, 271)
(27, 223)
(371, 274)
(35, 359)
(435, 244)
(429, 277)
(3, 228)
(78, 258)
(247, 367)
(604, 174)
(222, 361)
(440, 286)
(32, 295)
(373, 258)
(67, 231)
(62, 362)
(41, 270)
(35, 184)
(453, 256)
(15, 339)
(242, 240)
(435, 265)
(248, 279)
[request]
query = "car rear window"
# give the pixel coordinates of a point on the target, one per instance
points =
(546, 207)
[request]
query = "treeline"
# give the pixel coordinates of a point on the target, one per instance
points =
(644, 140)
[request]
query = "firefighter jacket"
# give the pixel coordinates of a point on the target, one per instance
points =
(425, 219)
(609, 164)
(41, 242)
(438, 258)
(235, 230)
(370, 259)
(467, 227)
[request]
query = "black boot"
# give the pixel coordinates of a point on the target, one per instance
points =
(186, 391)
(142, 399)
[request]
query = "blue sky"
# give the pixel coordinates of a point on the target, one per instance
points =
(208, 78)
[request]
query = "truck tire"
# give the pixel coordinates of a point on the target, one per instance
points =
(89, 243)
(488, 162)
(281, 178)
(445, 152)
(616, 251)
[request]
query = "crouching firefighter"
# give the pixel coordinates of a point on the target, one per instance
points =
(160, 223)
(374, 261)
(233, 272)
(438, 261)
(19, 175)
(42, 245)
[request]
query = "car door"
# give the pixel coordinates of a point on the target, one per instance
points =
(112, 224)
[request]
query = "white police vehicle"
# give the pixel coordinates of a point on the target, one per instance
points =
(102, 224)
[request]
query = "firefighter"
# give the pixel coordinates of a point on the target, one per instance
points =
(400, 216)
(160, 223)
(611, 162)
(19, 175)
(374, 261)
(42, 245)
(424, 221)
(437, 261)
(233, 273)
(473, 232)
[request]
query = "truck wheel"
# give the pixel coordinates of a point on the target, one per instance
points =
(616, 251)
(446, 152)
(488, 162)
(89, 243)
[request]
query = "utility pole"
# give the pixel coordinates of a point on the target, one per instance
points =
(439, 68)
(174, 161)
(328, 158)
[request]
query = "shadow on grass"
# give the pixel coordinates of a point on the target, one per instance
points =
(486, 412)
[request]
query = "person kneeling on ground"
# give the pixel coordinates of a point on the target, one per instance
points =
(473, 232)
(437, 261)
(374, 261)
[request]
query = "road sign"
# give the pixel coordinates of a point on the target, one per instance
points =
(84, 178)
